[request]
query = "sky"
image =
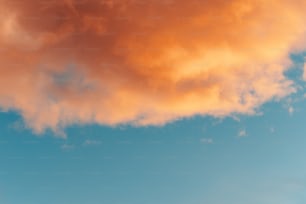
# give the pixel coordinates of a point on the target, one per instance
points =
(152, 102)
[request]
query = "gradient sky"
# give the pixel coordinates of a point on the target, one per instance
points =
(152, 102)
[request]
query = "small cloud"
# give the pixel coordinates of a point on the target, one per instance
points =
(289, 106)
(67, 147)
(236, 118)
(290, 110)
(242, 133)
(272, 129)
(91, 142)
(206, 141)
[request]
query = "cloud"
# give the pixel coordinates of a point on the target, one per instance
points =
(272, 130)
(67, 147)
(91, 142)
(144, 63)
(206, 141)
(242, 133)
(291, 110)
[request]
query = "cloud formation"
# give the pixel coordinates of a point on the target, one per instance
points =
(144, 62)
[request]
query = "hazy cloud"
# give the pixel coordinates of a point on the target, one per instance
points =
(242, 133)
(91, 142)
(67, 147)
(206, 141)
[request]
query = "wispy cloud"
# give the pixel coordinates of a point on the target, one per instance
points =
(291, 110)
(272, 130)
(92, 143)
(67, 147)
(206, 141)
(242, 133)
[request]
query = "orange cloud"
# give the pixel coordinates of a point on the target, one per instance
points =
(144, 62)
